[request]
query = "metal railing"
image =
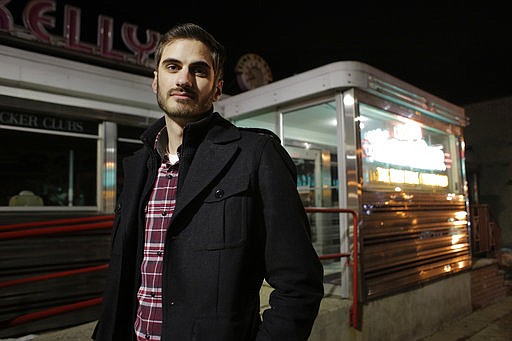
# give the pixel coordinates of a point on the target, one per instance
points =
(485, 231)
(44, 229)
(60, 226)
(355, 307)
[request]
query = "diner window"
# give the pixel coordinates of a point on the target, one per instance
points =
(265, 120)
(402, 154)
(45, 169)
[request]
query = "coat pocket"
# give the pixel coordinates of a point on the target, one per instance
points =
(222, 219)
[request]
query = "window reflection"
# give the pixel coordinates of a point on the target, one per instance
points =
(38, 169)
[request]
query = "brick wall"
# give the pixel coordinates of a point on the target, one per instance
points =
(487, 284)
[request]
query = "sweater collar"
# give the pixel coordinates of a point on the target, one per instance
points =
(149, 136)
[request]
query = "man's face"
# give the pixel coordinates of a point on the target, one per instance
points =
(184, 81)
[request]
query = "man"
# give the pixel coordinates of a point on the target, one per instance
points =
(207, 212)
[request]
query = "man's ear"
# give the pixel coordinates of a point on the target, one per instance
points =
(154, 84)
(218, 90)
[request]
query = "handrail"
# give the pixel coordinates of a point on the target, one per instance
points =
(17, 281)
(44, 228)
(38, 315)
(354, 309)
(52, 229)
(336, 255)
(56, 222)
(43, 231)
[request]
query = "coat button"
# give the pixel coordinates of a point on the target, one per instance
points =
(219, 193)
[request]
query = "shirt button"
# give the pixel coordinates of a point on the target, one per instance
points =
(164, 213)
(152, 294)
(147, 336)
(169, 176)
(159, 253)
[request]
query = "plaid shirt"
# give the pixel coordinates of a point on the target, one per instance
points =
(159, 210)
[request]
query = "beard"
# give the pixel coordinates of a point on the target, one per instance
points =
(183, 109)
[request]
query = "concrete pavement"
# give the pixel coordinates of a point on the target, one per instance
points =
(492, 323)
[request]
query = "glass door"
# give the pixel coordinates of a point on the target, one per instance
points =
(309, 135)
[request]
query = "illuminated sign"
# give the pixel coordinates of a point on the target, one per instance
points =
(406, 148)
(402, 176)
(401, 155)
(39, 25)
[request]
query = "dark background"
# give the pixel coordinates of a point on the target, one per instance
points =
(457, 50)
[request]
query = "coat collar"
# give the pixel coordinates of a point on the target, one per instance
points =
(212, 154)
(209, 162)
(208, 143)
(212, 127)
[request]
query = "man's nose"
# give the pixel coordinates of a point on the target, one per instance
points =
(184, 78)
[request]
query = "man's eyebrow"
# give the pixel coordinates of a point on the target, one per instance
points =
(176, 61)
(170, 60)
(201, 63)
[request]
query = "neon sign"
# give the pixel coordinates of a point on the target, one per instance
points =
(402, 176)
(38, 21)
(406, 148)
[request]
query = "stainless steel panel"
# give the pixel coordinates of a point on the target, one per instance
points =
(407, 243)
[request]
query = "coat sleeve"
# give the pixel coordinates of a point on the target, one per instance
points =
(292, 267)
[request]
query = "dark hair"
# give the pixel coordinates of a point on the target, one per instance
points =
(196, 32)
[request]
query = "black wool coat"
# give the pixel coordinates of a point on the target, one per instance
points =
(238, 221)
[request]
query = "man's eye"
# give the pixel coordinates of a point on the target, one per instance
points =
(201, 72)
(172, 67)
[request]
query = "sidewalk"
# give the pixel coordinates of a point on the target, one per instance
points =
(492, 323)
(81, 332)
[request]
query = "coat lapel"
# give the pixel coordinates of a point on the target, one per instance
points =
(209, 161)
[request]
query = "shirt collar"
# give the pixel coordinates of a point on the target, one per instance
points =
(162, 142)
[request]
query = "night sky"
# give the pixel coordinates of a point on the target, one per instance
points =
(453, 49)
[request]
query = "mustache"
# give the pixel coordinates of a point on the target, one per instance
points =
(181, 89)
